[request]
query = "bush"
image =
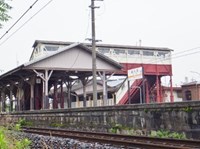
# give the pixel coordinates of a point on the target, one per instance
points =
(8, 141)
(167, 134)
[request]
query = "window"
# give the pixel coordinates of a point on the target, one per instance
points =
(163, 53)
(148, 53)
(179, 94)
(104, 50)
(36, 50)
(188, 95)
(133, 52)
(51, 48)
(119, 51)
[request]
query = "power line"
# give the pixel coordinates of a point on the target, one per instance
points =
(177, 55)
(196, 48)
(186, 54)
(26, 22)
(19, 19)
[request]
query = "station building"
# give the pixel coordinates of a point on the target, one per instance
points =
(59, 75)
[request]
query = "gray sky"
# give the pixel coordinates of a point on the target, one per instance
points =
(173, 24)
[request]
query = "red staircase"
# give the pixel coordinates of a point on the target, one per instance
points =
(134, 89)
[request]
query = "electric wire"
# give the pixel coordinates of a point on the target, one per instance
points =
(19, 19)
(186, 54)
(187, 50)
(104, 9)
(161, 60)
(181, 54)
(26, 22)
(177, 55)
(88, 25)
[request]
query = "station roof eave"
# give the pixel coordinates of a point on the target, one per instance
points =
(75, 60)
(15, 75)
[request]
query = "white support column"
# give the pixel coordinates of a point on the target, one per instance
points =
(84, 81)
(32, 97)
(45, 106)
(45, 100)
(4, 100)
(84, 95)
(77, 102)
(114, 98)
(45, 79)
(90, 101)
(11, 98)
(105, 97)
(3, 97)
(104, 80)
(19, 95)
(31, 82)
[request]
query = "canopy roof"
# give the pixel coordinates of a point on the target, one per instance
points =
(72, 60)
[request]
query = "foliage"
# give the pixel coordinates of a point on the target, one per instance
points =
(17, 127)
(187, 109)
(167, 134)
(145, 110)
(23, 122)
(116, 128)
(3, 141)
(23, 144)
(4, 7)
(8, 141)
(56, 125)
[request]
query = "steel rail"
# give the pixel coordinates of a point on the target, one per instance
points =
(117, 139)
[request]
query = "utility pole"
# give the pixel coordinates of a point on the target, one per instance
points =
(92, 6)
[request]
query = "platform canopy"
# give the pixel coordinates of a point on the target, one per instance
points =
(72, 60)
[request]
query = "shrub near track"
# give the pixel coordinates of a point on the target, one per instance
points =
(8, 141)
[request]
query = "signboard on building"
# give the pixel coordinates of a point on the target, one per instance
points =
(136, 73)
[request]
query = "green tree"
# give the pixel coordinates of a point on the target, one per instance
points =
(4, 8)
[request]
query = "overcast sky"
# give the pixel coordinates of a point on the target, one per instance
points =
(174, 24)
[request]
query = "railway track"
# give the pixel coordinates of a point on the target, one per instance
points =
(117, 139)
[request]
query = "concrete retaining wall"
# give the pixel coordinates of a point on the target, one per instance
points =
(179, 117)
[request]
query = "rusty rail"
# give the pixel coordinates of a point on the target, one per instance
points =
(118, 139)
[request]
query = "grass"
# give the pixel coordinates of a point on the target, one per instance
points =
(8, 141)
